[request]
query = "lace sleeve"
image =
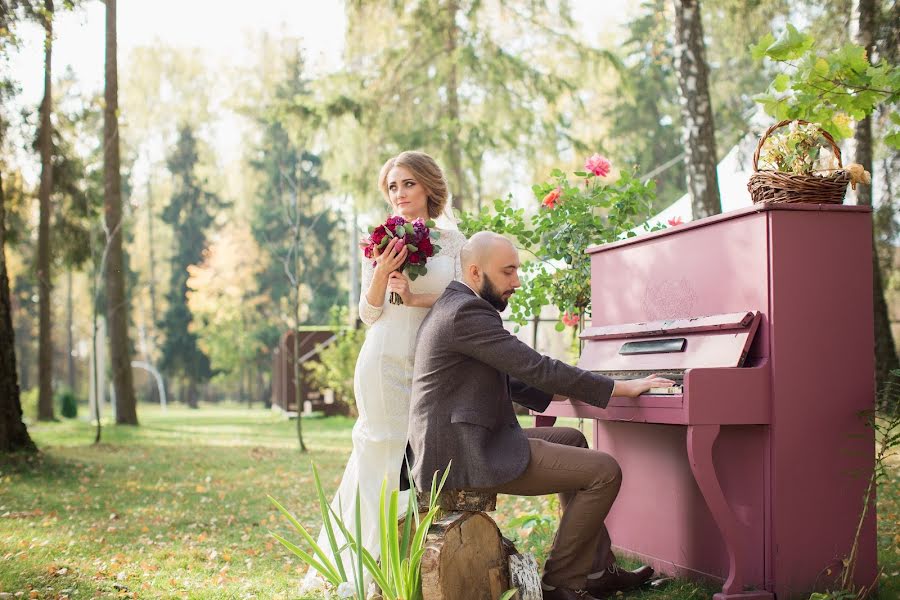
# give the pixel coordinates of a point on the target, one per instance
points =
(451, 243)
(368, 313)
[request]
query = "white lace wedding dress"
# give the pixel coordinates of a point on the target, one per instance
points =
(382, 388)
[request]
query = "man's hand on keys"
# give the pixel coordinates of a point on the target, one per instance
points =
(632, 388)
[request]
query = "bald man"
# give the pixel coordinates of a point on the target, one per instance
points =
(468, 370)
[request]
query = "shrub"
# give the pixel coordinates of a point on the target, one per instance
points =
(68, 403)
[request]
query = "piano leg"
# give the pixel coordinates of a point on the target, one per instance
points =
(700, 440)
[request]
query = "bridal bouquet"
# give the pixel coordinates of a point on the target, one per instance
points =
(417, 236)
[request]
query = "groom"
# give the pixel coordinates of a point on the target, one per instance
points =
(467, 370)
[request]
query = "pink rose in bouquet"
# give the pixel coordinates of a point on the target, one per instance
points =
(417, 235)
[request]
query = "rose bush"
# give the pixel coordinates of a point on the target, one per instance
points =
(571, 217)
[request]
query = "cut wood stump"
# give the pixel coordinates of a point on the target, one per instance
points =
(464, 559)
(460, 501)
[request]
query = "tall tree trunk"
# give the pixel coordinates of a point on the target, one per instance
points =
(70, 343)
(885, 349)
(13, 433)
(45, 338)
(454, 150)
(117, 301)
(696, 108)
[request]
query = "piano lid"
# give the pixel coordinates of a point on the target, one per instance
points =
(710, 341)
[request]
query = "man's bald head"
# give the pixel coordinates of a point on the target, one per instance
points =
(479, 247)
(490, 266)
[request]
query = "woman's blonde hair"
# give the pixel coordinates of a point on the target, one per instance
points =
(426, 172)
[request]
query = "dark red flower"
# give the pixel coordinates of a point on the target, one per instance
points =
(378, 235)
(413, 258)
(426, 247)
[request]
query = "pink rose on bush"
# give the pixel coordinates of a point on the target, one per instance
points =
(598, 165)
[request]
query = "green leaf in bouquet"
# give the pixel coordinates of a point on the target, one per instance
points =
(400, 231)
(390, 234)
(436, 249)
(372, 229)
(410, 229)
(435, 235)
(429, 223)
(412, 248)
(413, 275)
(384, 242)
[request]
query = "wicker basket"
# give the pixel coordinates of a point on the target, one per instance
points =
(779, 187)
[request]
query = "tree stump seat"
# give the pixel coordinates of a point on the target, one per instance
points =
(466, 557)
(460, 501)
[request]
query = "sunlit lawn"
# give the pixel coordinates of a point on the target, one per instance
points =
(177, 508)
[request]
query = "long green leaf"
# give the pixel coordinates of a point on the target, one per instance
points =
(307, 558)
(407, 525)
(508, 594)
(326, 523)
(329, 571)
(377, 572)
(382, 523)
(360, 584)
(395, 543)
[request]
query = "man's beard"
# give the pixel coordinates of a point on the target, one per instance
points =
(489, 293)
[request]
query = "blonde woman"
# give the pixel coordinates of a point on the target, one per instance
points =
(414, 187)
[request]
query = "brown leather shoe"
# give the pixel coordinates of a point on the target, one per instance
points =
(567, 594)
(616, 579)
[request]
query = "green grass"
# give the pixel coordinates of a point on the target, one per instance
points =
(177, 508)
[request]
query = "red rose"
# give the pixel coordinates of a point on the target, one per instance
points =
(425, 247)
(368, 251)
(413, 258)
(551, 199)
(378, 235)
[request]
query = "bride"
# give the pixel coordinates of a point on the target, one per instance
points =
(414, 186)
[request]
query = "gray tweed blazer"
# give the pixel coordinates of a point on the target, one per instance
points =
(468, 370)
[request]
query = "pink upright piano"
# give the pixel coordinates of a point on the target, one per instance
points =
(752, 470)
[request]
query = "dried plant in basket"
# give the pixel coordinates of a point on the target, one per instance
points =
(795, 168)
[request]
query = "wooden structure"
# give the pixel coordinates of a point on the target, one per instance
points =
(309, 342)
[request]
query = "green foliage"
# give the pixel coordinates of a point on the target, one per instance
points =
(29, 400)
(398, 573)
(67, 402)
(588, 212)
(795, 149)
(288, 219)
(830, 87)
(337, 361)
(533, 532)
(645, 119)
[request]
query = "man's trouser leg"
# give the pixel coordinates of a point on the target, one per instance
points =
(588, 482)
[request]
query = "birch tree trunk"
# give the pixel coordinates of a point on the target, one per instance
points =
(117, 301)
(696, 108)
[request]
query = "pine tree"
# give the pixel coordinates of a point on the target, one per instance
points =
(190, 213)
